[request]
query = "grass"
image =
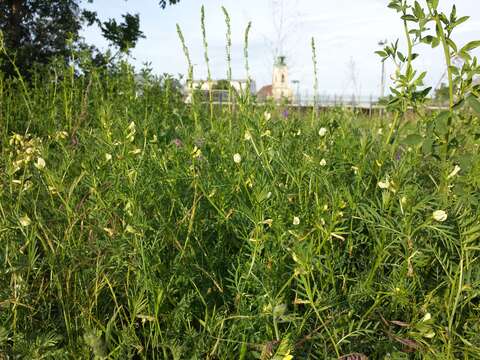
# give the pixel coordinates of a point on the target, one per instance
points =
(142, 238)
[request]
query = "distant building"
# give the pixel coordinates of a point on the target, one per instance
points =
(219, 88)
(265, 93)
(280, 89)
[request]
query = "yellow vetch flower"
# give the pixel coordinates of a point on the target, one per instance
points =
(196, 152)
(40, 164)
(440, 215)
(25, 221)
(455, 171)
(237, 158)
(384, 184)
(135, 151)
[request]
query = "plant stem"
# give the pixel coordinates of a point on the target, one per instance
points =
(448, 60)
(207, 62)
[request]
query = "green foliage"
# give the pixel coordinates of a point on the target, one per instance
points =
(124, 35)
(36, 31)
(139, 236)
(40, 31)
(134, 225)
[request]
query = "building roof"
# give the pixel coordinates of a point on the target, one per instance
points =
(265, 91)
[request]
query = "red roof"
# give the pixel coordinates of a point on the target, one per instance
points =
(265, 91)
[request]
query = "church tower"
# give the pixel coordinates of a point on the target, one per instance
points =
(281, 89)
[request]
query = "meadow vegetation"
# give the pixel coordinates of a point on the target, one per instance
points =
(135, 226)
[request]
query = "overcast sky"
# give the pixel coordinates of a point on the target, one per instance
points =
(346, 33)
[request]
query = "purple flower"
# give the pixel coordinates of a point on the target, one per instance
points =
(177, 142)
(285, 113)
(398, 155)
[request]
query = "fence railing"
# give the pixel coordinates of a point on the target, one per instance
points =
(222, 97)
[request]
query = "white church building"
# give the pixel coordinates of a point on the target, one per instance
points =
(280, 89)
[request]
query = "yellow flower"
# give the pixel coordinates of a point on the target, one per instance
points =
(247, 136)
(322, 132)
(25, 221)
(40, 164)
(427, 317)
(131, 126)
(267, 115)
(131, 132)
(323, 162)
(440, 215)
(135, 151)
(455, 171)
(384, 184)
(268, 222)
(296, 220)
(109, 231)
(61, 135)
(196, 152)
(108, 157)
(129, 229)
(237, 158)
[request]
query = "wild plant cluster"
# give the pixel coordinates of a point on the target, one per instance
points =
(134, 226)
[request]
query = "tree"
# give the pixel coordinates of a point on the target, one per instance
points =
(36, 31)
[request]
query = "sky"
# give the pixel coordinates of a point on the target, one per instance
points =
(346, 34)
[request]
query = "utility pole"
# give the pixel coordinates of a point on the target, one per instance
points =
(382, 81)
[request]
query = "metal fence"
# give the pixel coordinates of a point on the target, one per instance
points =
(222, 97)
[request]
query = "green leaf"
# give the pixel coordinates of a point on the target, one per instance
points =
(418, 11)
(413, 140)
(454, 70)
(381, 53)
(474, 104)
(427, 146)
(441, 122)
(409, 17)
(433, 4)
(395, 5)
(461, 20)
(465, 161)
(452, 45)
(459, 104)
(470, 46)
(465, 56)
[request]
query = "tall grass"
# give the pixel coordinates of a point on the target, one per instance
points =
(128, 232)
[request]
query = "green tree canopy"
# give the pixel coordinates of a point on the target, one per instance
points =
(36, 31)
